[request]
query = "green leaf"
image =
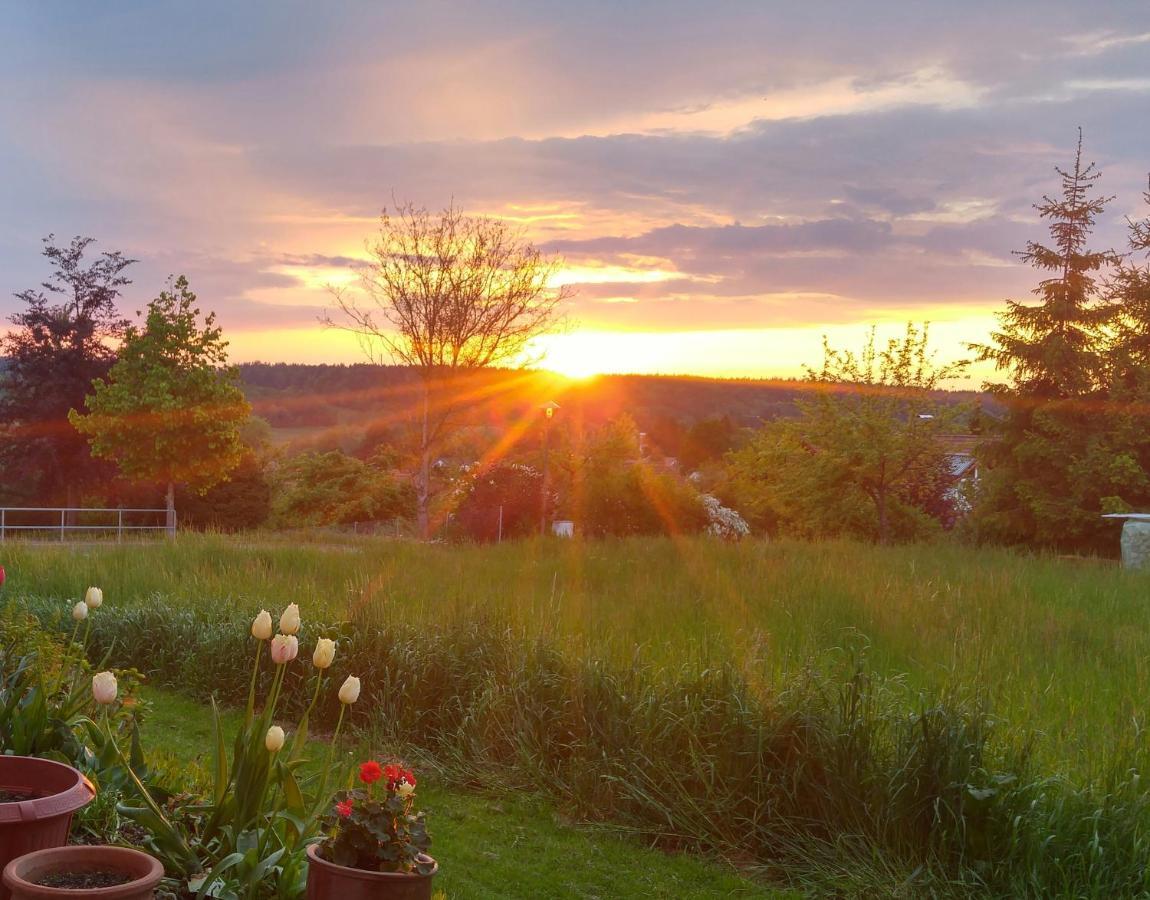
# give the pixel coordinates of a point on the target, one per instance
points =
(220, 777)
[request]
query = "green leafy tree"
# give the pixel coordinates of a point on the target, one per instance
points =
(170, 410)
(864, 457)
(62, 340)
(707, 440)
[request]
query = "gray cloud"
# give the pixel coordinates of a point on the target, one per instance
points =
(267, 126)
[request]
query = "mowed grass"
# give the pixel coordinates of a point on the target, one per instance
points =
(1060, 649)
(492, 845)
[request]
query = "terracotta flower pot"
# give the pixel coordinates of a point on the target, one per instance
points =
(43, 821)
(327, 881)
(21, 875)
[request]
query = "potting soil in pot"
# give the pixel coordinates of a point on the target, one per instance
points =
(7, 796)
(83, 881)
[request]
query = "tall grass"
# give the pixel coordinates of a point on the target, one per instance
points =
(1059, 648)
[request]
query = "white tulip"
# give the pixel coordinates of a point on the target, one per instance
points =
(262, 626)
(324, 653)
(94, 597)
(274, 740)
(80, 611)
(104, 688)
(289, 621)
(349, 691)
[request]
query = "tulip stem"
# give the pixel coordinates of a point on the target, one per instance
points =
(274, 694)
(252, 687)
(297, 743)
(260, 835)
(322, 794)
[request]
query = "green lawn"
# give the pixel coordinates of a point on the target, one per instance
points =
(498, 845)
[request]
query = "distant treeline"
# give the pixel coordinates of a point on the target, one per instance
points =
(296, 395)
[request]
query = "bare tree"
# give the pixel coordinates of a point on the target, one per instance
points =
(445, 293)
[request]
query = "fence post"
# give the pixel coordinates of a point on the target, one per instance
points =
(2, 524)
(120, 525)
(63, 514)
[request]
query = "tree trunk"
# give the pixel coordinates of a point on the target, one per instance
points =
(423, 489)
(880, 506)
(171, 517)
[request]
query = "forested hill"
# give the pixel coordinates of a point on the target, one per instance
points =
(294, 396)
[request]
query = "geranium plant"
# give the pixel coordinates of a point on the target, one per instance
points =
(376, 827)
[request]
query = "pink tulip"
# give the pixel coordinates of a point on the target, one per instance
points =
(285, 647)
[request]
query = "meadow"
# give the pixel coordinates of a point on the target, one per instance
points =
(833, 715)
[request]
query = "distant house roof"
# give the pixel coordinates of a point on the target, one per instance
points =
(961, 464)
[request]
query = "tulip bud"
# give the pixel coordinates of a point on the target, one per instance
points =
(289, 621)
(3, 575)
(285, 648)
(274, 740)
(80, 611)
(104, 687)
(94, 597)
(324, 653)
(349, 690)
(262, 626)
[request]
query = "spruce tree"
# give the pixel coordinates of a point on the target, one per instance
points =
(1055, 348)
(1129, 294)
(1063, 453)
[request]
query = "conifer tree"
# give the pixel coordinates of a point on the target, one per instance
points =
(1064, 452)
(1129, 292)
(1056, 349)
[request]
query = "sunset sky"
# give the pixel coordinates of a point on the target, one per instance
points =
(726, 181)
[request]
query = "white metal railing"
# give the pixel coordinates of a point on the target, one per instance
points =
(15, 521)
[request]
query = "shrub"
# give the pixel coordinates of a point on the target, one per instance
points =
(723, 522)
(242, 502)
(499, 500)
(334, 489)
(637, 500)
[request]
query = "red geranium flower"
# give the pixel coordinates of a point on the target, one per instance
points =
(393, 773)
(344, 809)
(409, 777)
(370, 771)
